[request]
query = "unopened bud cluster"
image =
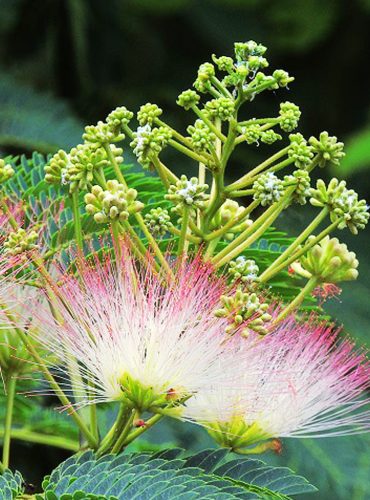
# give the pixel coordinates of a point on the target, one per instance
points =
(329, 262)
(244, 308)
(268, 189)
(114, 203)
(158, 221)
(148, 142)
(20, 241)
(230, 210)
(243, 269)
(188, 194)
(6, 171)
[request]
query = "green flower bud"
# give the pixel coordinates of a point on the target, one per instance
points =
(282, 78)
(268, 189)
(56, 169)
(100, 134)
(149, 142)
(302, 181)
(329, 262)
(20, 241)
(187, 99)
(6, 171)
(244, 307)
(270, 136)
(299, 150)
(245, 270)
(158, 221)
(83, 161)
(201, 136)
(148, 113)
(243, 50)
(328, 149)
(326, 195)
(289, 116)
(222, 108)
(118, 118)
(224, 63)
(229, 210)
(352, 212)
(188, 193)
(115, 203)
(252, 133)
(205, 73)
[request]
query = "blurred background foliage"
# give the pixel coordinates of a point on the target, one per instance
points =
(65, 63)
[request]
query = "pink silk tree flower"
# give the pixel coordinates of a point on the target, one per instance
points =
(141, 337)
(299, 381)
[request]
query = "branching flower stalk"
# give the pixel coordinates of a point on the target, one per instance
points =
(163, 308)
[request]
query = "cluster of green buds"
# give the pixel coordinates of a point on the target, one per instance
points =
(243, 269)
(148, 142)
(57, 168)
(328, 262)
(201, 136)
(101, 133)
(189, 194)
(300, 151)
(254, 133)
(158, 221)
(268, 189)
(114, 203)
(21, 241)
(302, 182)
(246, 308)
(6, 171)
(289, 116)
(343, 204)
(328, 149)
(230, 210)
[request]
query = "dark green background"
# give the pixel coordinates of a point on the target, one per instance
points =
(64, 64)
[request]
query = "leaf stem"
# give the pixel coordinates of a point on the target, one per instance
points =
(10, 393)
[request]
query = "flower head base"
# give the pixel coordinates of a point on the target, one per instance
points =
(328, 149)
(6, 171)
(268, 189)
(188, 194)
(329, 262)
(300, 382)
(115, 203)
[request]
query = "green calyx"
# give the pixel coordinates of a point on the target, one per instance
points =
(329, 262)
(148, 398)
(114, 203)
(230, 210)
(236, 434)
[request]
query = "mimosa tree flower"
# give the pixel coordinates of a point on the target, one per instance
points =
(299, 381)
(141, 337)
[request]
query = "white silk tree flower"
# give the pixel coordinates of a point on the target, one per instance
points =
(141, 337)
(298, 381)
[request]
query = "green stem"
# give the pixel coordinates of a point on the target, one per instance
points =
(306, 290)
(302, 251)
(221, 88)
(54, 384)
(93, 413)
(297, 241)
(208, 122)
(77, 220)
(10, 393)
(242, 192)
(190, 237)
(161, 172)
(240, 184)
(8, 213)
(118, 445)
(115, 226)
(188, 152)
(184, 230)
(138, 432)
(111, 436)
(23, 434)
